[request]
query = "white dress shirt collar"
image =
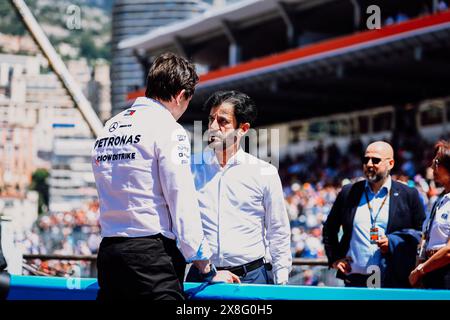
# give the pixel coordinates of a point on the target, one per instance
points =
(386, 185)
(209, 156)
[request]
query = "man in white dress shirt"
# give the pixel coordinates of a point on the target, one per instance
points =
(149, 215)
(240, 197)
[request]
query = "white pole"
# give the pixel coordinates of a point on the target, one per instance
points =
(58, 66)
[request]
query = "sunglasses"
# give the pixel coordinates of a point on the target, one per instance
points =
(374, 160)
(435, 163)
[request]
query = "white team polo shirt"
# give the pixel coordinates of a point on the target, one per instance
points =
(141, 164)
(440, 229)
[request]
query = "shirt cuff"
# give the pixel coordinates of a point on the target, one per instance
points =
(281, 276)
(203, 252)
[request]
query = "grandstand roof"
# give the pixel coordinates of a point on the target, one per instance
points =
(408, 34)
(398, 64)
(206, 23)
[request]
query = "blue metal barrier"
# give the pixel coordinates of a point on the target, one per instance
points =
(52, 288)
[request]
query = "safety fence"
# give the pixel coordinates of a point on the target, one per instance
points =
(305, 271)
(14, 287)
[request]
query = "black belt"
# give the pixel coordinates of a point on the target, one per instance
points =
(109, 240)
(245, 268)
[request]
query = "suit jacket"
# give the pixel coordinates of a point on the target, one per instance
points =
(405, 212)
(401, 259)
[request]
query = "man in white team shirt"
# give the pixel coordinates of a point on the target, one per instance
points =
(241, 198)
(149, 215)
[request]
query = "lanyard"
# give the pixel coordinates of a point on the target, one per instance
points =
(426, 233)
(372, 219)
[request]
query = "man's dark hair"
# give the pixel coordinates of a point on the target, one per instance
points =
(244, 107)
(442, 152)
(168, 75)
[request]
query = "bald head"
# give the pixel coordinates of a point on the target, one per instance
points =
(378, 162)
(384, 149)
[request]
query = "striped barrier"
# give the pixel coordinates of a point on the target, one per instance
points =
(16, 287)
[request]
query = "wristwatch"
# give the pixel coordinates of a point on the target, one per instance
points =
(207, 277)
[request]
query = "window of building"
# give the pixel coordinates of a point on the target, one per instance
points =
(433, 114)
(363, 124)
(318, 130)
(340, 127)
(382, 122)
(296, 133)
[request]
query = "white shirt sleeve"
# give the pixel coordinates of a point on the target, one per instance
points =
(178, 188)
(278, 231)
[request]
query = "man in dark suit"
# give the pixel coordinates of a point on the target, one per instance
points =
(381, 222)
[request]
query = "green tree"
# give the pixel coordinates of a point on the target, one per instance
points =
(87, 47)
(105, 52)
(10, 22)
(39, 183)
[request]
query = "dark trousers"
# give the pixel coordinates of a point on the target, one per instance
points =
(258, 276)
(140, 268)
(356, 280)
(438, 279)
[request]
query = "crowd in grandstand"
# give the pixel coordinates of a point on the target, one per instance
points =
(398, 17)
(74, 232)
(311, 182)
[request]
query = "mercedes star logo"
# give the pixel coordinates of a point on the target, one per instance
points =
(113, 127)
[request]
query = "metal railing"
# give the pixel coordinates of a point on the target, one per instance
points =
(35, 270)
(60, 257)
(93, 258)
(310, 262)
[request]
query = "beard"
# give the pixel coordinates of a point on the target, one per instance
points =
(220, 142)
(374, 177)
